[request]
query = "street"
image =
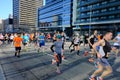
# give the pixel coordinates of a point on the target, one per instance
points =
(37, 66)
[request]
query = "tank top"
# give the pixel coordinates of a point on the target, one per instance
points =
(94, 39)
(106, 48)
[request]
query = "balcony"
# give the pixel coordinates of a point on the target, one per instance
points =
(101, 14)
(100, 7)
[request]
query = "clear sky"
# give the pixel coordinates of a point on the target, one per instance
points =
(5, 8)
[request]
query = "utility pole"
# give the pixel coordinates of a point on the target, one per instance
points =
(90, 20)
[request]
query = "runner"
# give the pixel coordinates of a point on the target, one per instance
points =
(1, 38)
(54, 36)
(31, 37)
(91, 40)
(63, 40)
(58, 52)
(103, 55)
(72, 42)
(11, 38)
(117, 44)
(25, 41)
(6, 38)
(86, 40)
(41, 40)
(17, 43)
(48, 37)
(35, 40)
(76, 44)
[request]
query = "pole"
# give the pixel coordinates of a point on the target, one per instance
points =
(90, 20)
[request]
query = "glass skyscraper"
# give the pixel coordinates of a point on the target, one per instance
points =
(96, 14)
(55, 15)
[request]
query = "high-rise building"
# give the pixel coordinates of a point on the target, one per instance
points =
(25, 14)
(1, 25)
(96, 14)
(8, 24)
(56, 15)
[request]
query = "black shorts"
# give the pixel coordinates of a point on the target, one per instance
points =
(59, 56)
(17, 48)
(81, 42)
(11, 40)
(117, 47)
(76, 45)
(90, 46)
(86, 41)
(24, 44)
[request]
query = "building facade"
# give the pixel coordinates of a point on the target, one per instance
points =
(8, 25)
(55, 15)
(25, 14)
(1, 26)
(101, 15)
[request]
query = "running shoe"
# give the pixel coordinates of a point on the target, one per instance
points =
(98, 78)
(58, 71)
(91, 59)
(91, 78)
(53, 61)
(85, 53)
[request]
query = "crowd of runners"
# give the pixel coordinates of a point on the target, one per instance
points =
(99, 44)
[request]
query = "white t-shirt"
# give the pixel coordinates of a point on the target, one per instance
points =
(118, 41)
(76, 41)
(11, 37)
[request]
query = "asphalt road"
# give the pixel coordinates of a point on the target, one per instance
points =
(37, 66)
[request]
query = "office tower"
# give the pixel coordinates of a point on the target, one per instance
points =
(25, 14)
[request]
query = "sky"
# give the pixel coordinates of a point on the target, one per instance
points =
(5, 8)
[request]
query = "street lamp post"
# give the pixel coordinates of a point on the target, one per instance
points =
(90, 20)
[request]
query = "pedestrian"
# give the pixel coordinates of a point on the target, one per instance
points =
(48, 37)
(41, 40)
(58, 51)
(91, 40)
(35, 40)
(102, 57)
(1, 38)
(86, 36)
(117, 43)
(76, 44)
(25, 41)
(11, 38)
(17, 43)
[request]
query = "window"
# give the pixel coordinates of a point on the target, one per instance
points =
(94, 5)
(103, 3)
(88, 13)
(95, 19)
(97, 11)
(118, 7)
(111, 16)
(103, 17)
(112, 0)
(103, 10)
(82, 14)
(82, 20)
(112, 9)
(118, 16)
(83, 7)
(88, 19)
(89, 6)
